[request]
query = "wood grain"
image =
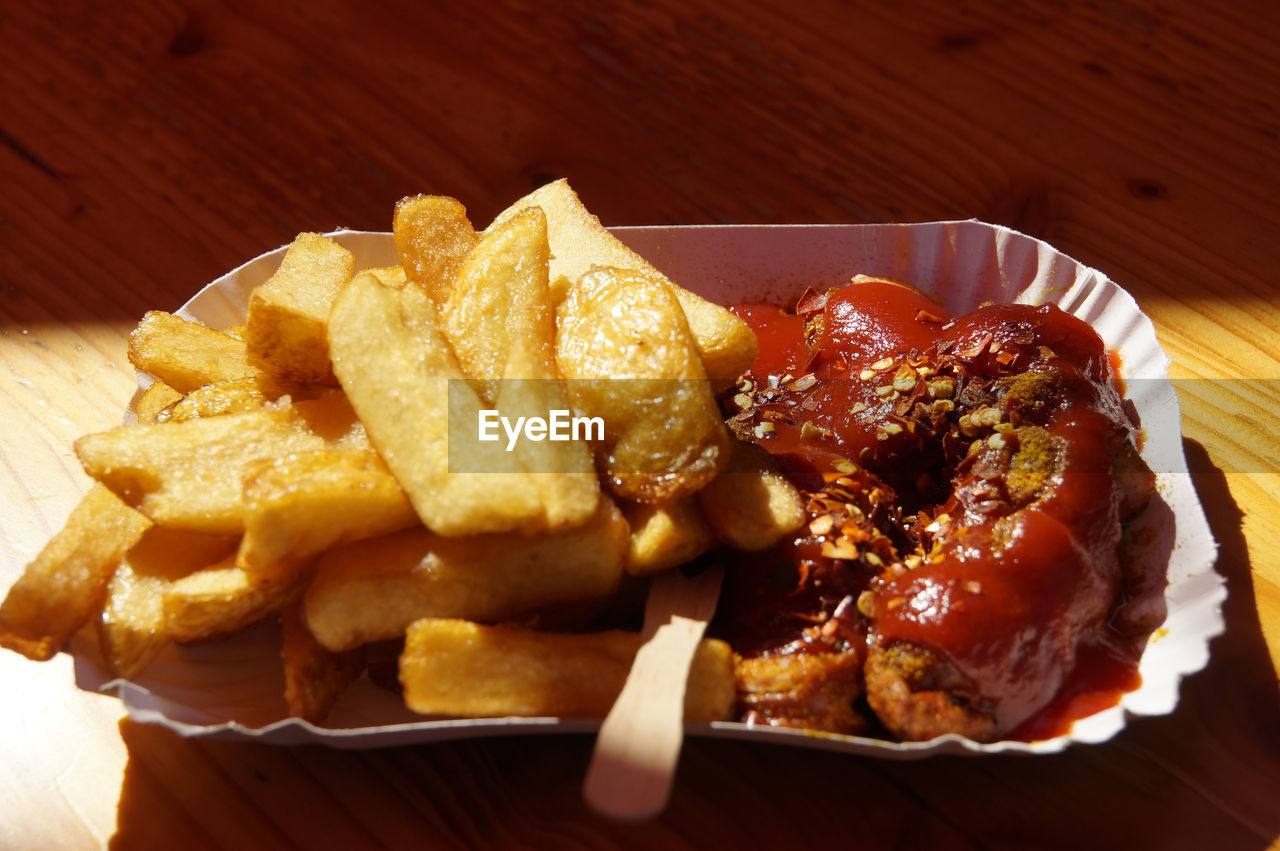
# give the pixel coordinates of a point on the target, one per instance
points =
(148, 147)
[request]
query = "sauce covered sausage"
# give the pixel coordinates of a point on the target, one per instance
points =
(968, 479)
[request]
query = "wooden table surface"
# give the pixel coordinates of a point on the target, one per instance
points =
(146, 147)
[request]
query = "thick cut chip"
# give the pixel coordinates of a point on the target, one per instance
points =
(500, 304)
(222, 397)
(188, 475)
(374, 589)
(751, 505)
(500, 322)
(238, 395)
(154, 400)
(186, 355)
(396, 367)
(393, 276)
(665, 536)
(222, 598)
(579, 243)
(624, 347)
(131, 630)
(314, 678)
(299, 506)
(563, 471)
(454, 667)
(433, 235)
(285, 330)
(64, 585)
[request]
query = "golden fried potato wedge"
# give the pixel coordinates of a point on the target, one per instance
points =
(624, 347)
(403, 379)
(374, 589)
(222, 598)
(500, 322)
(393, 276)
(314, 678)
(580, 243)
(500, 305)
(455, 667)
(153, 401)
(64, 585)
(751, 505)
(433, 236)
(665, 536)
(285, 330)
(232, 396)
(237, 395)
(300, 505)
(131, 629)
(188, 475)
(186, 355)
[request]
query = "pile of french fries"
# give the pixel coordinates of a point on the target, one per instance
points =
(301, 466)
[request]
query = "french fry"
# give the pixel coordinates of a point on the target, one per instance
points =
(221, 598)
(395, 365)
(433, 236)
(314, 678)
(393, 276)
(751, 505)
(154, 400)
(298, 506)
(64, 585)
(131, 630)
(625, 349)
(185, 355)
(500, 304)
(285, 330)
(500, 322)
(455, 667)
(373, 589)
(563, 472)
(187, 475)
(665, 536)
(580, 243)
(237, 395)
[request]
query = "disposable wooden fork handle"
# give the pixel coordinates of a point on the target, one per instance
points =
(638, 746)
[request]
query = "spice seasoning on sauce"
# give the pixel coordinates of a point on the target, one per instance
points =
(967, 479)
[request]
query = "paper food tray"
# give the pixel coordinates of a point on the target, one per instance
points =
(233, 688)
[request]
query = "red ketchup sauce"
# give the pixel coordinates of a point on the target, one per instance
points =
(1017, 597)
